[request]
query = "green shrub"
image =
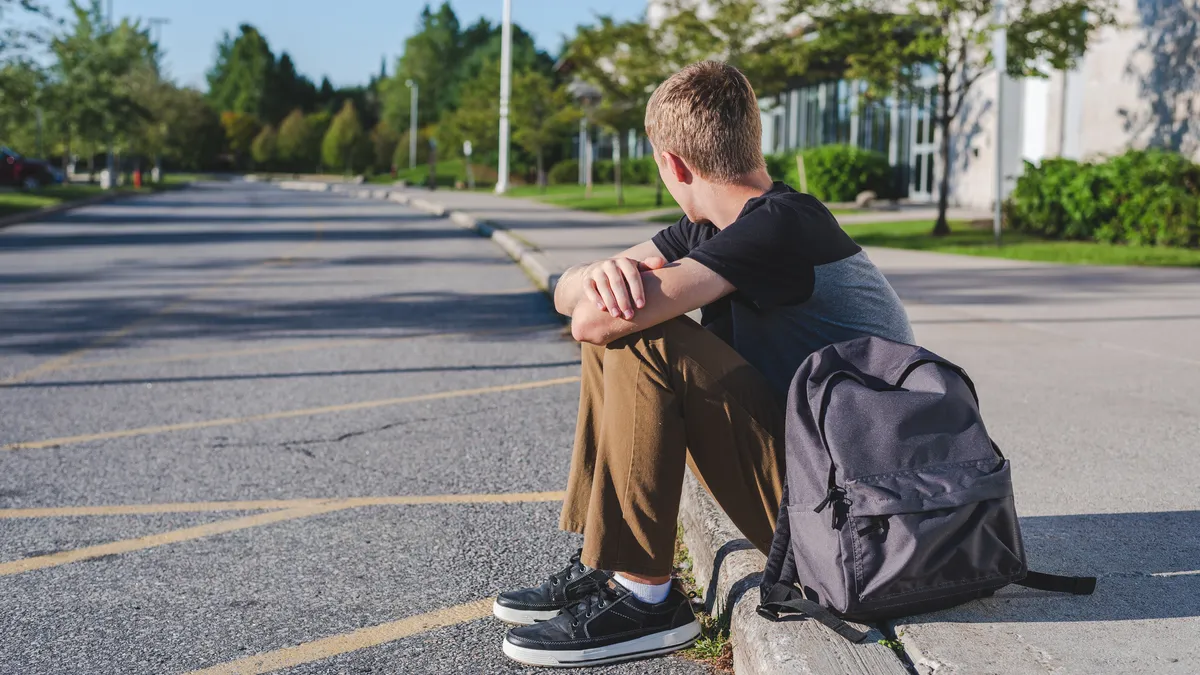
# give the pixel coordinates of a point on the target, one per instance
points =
(564, 172)
(1143, 197)
(633, 171)
(837, 173)
(641, 171)
(603, 171)
(777, 165)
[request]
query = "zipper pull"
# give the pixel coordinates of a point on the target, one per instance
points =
(834, 495)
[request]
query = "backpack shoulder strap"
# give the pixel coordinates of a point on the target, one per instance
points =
(787, 599)
(1059, 584)
(781, 561)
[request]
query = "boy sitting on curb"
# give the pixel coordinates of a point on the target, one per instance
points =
(777, 279)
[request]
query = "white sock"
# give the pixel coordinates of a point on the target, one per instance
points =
(648, 593)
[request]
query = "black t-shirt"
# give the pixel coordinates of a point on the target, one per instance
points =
(802, 283)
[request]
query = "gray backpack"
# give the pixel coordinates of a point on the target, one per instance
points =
(897, 500)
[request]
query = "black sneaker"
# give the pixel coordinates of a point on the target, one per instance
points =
(609, 625)
(530, 605)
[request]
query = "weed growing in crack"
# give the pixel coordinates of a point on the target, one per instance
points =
(714, 647)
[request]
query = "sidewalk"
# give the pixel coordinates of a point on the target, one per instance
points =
(1090, 380)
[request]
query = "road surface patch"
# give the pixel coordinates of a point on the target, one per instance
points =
(60, 362)
(276, 514)
(284, 414)
(362, 638)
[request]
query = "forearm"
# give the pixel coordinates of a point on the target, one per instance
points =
(569, 290)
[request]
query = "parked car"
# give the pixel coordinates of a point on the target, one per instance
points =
(23, 172)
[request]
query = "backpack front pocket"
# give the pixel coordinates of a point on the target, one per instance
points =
(933, 533)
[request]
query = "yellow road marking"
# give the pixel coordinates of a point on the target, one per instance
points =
(172, 537)
(314, 346)
(362, 638)
(270, 504)
(60, 362)
(285, 414)
(306, 508)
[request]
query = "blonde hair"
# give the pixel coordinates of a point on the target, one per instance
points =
(707, 114)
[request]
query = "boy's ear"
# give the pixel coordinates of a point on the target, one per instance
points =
(676, 167)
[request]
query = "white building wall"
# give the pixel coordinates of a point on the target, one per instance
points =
(1138, 85)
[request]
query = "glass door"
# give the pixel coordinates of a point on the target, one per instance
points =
(922, 185)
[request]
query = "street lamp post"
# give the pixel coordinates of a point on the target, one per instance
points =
(412, 124)
(1000, 56)
(110, 163)
(588, 97)
(505, 92)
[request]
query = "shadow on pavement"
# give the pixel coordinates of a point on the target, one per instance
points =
(1148, 566)
(23, 241)
(1041, 284)
(56, 326)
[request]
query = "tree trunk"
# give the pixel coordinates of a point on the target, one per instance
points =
(942, 227)
(658, 189)
(66, 161)
(617, 168)
(541, 173)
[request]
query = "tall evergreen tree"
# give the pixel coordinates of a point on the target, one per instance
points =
(241, 79)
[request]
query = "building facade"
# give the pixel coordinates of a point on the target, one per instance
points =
(1138, 85)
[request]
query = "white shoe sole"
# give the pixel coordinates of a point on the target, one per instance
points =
(650, 645)
(521, 617)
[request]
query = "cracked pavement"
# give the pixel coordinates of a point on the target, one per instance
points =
(226, 304)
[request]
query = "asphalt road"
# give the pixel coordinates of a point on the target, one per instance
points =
(197, 387)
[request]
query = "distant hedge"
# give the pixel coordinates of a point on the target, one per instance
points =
(836, 173)
(640, 171)
(1143, 197)
(563, 173)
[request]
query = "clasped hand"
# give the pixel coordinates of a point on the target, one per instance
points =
(615, 285)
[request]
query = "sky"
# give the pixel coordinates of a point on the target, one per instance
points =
(345, 39)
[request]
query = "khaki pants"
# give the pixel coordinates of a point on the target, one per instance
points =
(648, 403)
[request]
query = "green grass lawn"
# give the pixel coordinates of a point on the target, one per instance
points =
(176, 179)
(15, 202)
(966, 240)
(603, 199)
(18, 201)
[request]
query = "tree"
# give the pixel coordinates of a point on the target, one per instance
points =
(263, 147)
(761, 42)
(288, 90)
(477, 118)
(429, 55)
(193, 135)
(95, 77)
(343, 144)
(23, 84)
(294, 142)
(891, 43)
(240, 130)
(623, 61)
(384, 141)
(542, 116)
(241, 79)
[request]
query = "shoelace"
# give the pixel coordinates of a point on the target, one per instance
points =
(595, 601)
(575, 568)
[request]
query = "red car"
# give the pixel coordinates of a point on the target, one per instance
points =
(18, 171)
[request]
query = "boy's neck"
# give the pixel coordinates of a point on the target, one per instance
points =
(723, 203)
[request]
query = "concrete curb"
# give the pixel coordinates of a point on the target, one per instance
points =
(726, 566)
(729, 569)
(532, 261)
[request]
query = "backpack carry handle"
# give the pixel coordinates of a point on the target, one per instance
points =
(784, 598)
